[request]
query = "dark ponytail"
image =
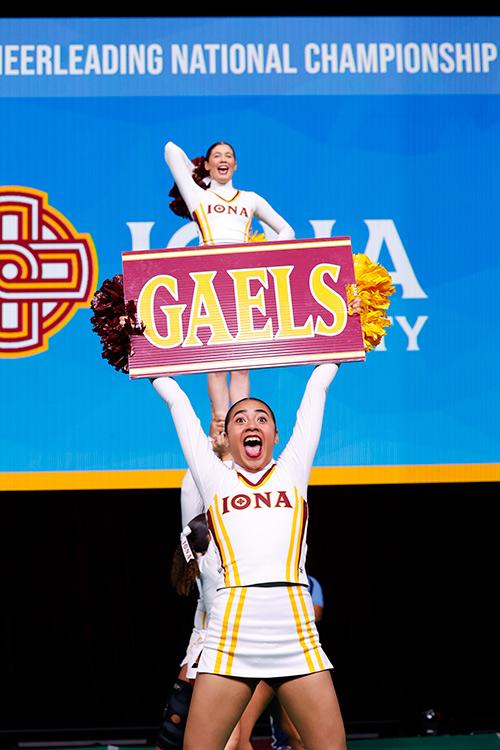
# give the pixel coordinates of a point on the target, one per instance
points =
(178, 205)
(195, 538)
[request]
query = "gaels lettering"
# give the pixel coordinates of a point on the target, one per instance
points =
(256, 500)
(252, 289)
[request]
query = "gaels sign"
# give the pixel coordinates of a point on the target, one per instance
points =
(233, 307)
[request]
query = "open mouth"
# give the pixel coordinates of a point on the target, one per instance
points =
(252, 446)
(223, 169)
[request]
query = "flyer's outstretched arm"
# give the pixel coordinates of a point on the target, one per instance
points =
(182, 168)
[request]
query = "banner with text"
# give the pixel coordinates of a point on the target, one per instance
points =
(234, 307)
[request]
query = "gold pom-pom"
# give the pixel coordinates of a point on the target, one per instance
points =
(257, 237)
(373, 288)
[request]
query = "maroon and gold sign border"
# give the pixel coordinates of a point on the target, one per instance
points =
(256, 362)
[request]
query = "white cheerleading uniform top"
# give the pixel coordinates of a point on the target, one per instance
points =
(258, 520)
(222, 213)
(209, 565)
(208, 582)
(191, 501)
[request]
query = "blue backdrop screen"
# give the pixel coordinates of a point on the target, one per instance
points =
(383, 129)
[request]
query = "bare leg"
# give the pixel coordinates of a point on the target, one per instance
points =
(312, 705)
(294, 739)
(261, 697)
(239, 385)
(219, 394)
(216, 706)
(232, 743)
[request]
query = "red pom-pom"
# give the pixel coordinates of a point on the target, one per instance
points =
(114, 321)
(177, 205)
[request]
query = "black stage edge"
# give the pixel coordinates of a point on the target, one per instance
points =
(91, 633)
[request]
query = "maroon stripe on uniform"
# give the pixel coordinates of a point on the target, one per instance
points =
(261, 480)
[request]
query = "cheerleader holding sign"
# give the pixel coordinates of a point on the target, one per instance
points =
(204, 192)
(262, 620)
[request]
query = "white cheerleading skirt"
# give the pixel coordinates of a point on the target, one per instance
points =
(262, 631)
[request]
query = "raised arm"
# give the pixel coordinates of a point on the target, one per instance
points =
(182, 167)
(201, 460)
(269, 216)
(191, 501)
(301, 448)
